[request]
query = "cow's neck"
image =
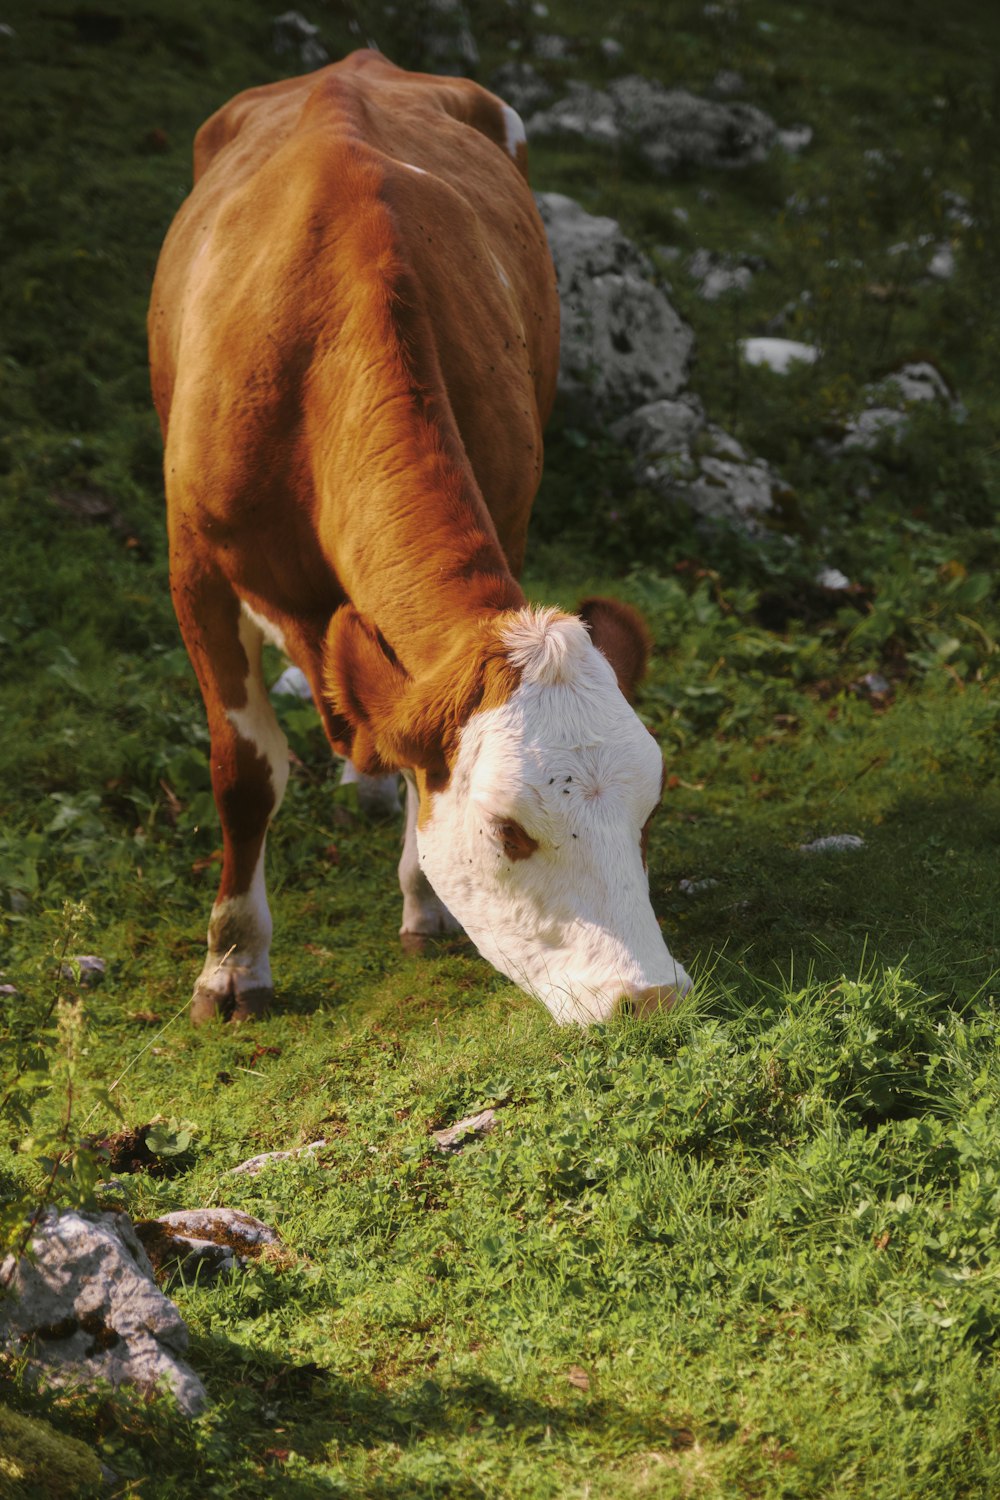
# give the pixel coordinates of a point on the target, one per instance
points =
(428, 568)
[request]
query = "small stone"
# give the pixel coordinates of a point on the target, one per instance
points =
(942, 265)
(293, 683)
(611, 50)
(833, 579)
(779, 355)
(257, 1164)
(454, 1137)
(832, 843)
(292, 32)
(696, 887)
(795, 139)
(88, 966)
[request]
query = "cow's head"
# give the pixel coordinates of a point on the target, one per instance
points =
(537, 783)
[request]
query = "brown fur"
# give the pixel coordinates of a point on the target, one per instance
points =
(620, 632)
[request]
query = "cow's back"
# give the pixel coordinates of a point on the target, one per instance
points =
(355, 239)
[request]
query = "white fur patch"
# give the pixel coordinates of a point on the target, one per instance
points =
(256, 721)
(514, 132)
(271, 632)
(239, 941)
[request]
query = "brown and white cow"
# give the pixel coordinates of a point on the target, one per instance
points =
(354, 345)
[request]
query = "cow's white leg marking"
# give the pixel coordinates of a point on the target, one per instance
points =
(514, 131)
(237, 965)
(424, 914)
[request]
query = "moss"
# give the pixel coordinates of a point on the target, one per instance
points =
(38, 1461)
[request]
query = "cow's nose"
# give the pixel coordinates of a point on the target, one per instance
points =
(654, 997)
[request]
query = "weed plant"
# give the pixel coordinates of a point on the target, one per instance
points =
(746, 1248)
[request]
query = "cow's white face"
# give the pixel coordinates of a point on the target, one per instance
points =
(535, 842)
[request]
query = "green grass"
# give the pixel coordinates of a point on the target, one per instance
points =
(746, 1249)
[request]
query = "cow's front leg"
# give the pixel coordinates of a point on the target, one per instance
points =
(249, 773)
(378, 796)
(424, 914)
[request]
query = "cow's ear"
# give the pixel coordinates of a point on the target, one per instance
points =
(620, 632)
(365, 685)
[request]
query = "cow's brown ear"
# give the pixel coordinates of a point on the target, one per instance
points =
(620, 632)
(365, 685)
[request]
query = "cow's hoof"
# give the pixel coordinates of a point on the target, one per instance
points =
(229, 1004)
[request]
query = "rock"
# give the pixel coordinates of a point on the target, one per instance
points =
(871, 427)
(622, 343)
(941, 266)
(291, 32)
(718, 274)
(795, 139)
(521, 86)
(611, 50)
(456, 1136)
(255, 1164)
(912, 383)
(84, 1308)
(37, 1461)
(378, 796)
(833, 579)
(204, 1243)
(920, 381)
(552, 48)
(832, 843)
(696, 887)
(84, 968)
(670, 129)
(956, 208)
(727, 84)
(293, 683)
(585, 112)
(778, 355)
(661, 427)
(682, 458)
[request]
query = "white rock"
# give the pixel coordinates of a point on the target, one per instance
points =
(833, 842)
(833, 579)
(696, 887)
(255, 1164)
(778, 354)
(293, 683)
(611, 50)
(796, 138)
(942, 263)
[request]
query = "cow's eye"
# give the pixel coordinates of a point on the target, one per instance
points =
(515, 841)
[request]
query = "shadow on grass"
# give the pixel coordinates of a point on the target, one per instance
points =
(924, 891)
(313, 1412)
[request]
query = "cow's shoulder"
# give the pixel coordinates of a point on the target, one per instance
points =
(365, 98)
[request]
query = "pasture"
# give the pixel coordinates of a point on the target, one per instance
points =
(747, 1248)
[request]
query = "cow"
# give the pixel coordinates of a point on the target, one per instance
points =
(354, 343)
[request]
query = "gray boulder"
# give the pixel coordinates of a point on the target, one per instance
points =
(890, 402)
(623, 344)
(670, 129)
(683, 458)
(84, 1308)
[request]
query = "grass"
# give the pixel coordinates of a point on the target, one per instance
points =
(746, 1249)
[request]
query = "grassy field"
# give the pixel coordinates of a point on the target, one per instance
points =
(747, 1249)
